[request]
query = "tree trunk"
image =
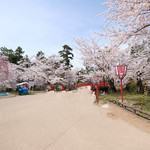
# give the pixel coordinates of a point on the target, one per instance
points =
(140, 86)
(111, 84)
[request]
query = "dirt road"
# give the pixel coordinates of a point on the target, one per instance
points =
(66, 121)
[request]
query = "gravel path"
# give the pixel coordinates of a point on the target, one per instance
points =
(66, 121)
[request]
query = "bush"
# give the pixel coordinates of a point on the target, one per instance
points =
(103, 88)
(9, 89)
(131, 86)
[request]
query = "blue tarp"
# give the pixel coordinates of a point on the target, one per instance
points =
(3, 94)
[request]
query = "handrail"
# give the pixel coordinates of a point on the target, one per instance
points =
(135, 110)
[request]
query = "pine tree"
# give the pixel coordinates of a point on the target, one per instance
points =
(13, 56)
(67, 55)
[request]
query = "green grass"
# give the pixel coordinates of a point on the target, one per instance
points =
(133, 99)
(35, 92)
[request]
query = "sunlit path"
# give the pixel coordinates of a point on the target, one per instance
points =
(65, 121)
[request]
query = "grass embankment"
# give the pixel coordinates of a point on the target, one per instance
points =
(133, 99)
(35, 92)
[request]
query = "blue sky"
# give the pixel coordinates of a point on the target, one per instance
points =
(47, 25)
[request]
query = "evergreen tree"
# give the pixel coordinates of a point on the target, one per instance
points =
(25, 62)
(13, 56)
(67, 55)
(40, 54)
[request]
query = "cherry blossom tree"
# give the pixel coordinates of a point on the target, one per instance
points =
(12, 76)
(8, 75)
(70, 77)
(127, 21)
(47, 70)
(42, 70)
(139, 65)
(3, 68)
(3, 72)
(101, 61)
(137, 60)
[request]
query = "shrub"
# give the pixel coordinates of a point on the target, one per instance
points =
(131, 86)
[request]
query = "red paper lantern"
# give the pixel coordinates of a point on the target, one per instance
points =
(121, 71)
